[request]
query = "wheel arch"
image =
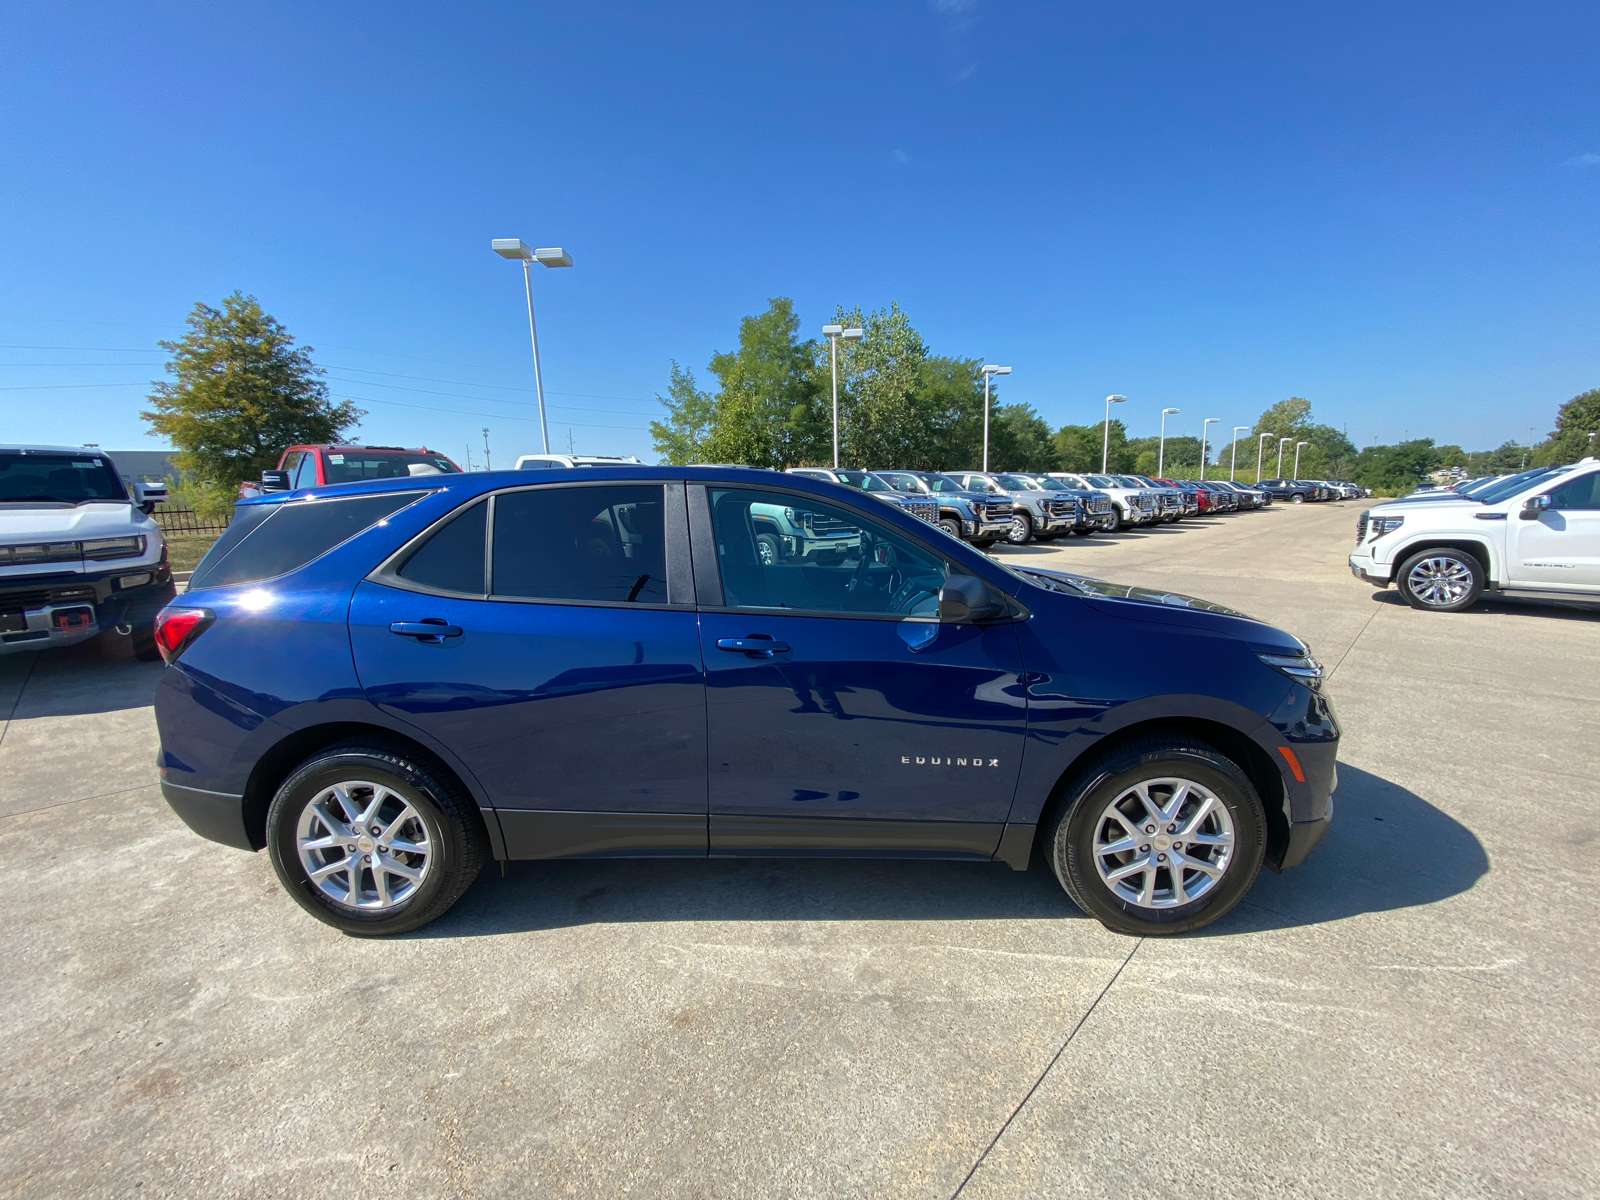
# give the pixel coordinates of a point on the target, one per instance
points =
(1478, 548)
(280, 759)
(1244, 750)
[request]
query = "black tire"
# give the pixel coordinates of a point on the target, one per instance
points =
(767, 548)
(1443, 580)
(1122, 521)
(951, 526)
(1297, 498)
(143, 620)
(983, 543)
(1021, 531)
(457, 840)
(1082, 532)
(1070, 845)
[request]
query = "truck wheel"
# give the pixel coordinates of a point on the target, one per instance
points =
(951, 526)
(1297, 498)
(982, 543)
(371, 842)
(1163, 836)
(767, 549)
(144, 625)
(1440, 580)
(1021, 531)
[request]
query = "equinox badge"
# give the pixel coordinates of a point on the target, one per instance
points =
(946, 761)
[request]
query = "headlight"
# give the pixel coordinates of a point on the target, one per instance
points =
(1378, 526)
(1299, 667)
(119, 547)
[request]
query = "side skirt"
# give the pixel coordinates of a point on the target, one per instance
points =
(821, 837)
(533, 833)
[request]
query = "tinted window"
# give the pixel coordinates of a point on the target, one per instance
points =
(285, 537)
(351, 466)
(452, 559)
(62, 478)
(779, 551)
(581, 543)
(1582, 491)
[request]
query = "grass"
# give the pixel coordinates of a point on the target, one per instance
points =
(185, 550)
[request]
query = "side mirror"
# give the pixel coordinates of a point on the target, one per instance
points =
(148, 495)
(966, 599)
(275, 481)
(1534, 506)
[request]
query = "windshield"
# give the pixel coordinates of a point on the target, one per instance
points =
(1508, 488)
(1016, 483)
(1051, 485)
(941, 483)
(351, 466)
(1129, 481)
(1101, 481)
(57, 478)
(904, 481)
(864, 482)
(1478, 485)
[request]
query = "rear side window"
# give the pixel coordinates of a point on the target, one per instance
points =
(285, 537)
(581, 543)
(452, 559)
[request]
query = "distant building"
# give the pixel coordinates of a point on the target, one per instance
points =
(145, 464)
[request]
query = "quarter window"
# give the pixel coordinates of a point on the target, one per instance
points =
(452, 559)
(780, 551)
(581, 543)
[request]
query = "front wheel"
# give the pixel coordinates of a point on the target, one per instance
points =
(982, 543)
(951, 526)
(371, 842)
(1297, 498)
(767, 548)
(1163, 836)
(1441, 580)
(1021, 531)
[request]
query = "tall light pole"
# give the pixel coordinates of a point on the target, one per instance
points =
(1297, 446)
(1105, 445)
(1203, 424)
(1261, 450)
(488, 463)
(1161, 452)
(1281, 442)
(1233, 458)
(833, 333)
(550, 256)
(988, 372)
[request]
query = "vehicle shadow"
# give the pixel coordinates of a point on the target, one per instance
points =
(1369, 862)
(1550, 610)
(97, 676)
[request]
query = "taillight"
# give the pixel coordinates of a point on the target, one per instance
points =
(177, 627)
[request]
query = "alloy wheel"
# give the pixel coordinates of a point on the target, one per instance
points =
(363, 845)
(1440, 581)
(1162, 843)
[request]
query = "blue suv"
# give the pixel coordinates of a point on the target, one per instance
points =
(386, 683)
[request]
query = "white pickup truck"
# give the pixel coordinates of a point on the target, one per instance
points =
(1535, 535)
(79, 551)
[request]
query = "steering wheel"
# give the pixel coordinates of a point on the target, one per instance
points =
(861, 579)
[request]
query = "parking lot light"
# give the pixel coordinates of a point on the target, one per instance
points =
(1233, 457)
(1161, 451)
(833, 333)
(1261, 450)
(988, 371)
(551, 256)
(1297, 446)
(1281, 443)
(1105, 445)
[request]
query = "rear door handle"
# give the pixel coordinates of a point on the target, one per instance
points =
(429, 629)
(763, 647)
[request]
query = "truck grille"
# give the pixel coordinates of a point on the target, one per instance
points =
(926, 509)
(823, 525)
(1361, 529)
(996, 510)
(1100, 504)
(23, 599)
(1062, 508)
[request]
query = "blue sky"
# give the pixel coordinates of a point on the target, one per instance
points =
(1388, 209)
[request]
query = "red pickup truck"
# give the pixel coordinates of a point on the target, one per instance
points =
(313, 466)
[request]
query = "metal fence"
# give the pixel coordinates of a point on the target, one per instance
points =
(186, 520)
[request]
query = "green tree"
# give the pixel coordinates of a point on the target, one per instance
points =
(1576, 434)
(767, 413)
(241, 392)
(1078, 447)
(1019, 440)
(883, 421)
(681, 439)
(949, 394)
(1399, 467)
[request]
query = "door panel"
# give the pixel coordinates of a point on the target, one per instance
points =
(567, 707)
(1560, 550)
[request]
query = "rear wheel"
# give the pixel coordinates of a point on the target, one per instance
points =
(371, 842)
(1162, 836)
(1441, 580)
(1298, 498)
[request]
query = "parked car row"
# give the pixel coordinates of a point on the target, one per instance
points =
(1298, 491)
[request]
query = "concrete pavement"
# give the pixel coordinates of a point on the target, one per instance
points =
(1408, 1014)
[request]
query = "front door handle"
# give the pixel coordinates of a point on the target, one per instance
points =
(759, 647)
(430, 629)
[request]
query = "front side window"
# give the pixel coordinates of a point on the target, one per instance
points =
(1019, 483)
(1580, 491)
(602, 543)
(785, 552)
(350, 466)
(941, 483)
